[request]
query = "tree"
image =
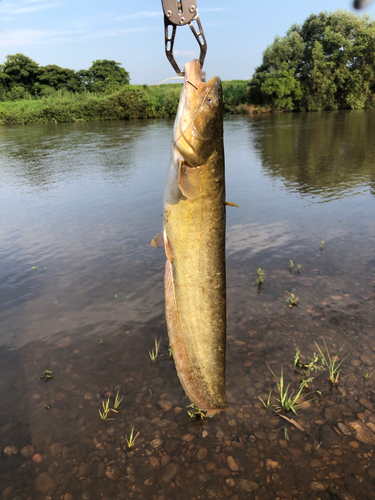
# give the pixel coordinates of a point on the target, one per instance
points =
(330, 56)
(104, 75)
(21, 71)
(59, 78)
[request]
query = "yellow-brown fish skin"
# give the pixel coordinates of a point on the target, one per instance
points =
(194, 241)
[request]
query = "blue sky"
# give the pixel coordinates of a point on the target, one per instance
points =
(72, 34)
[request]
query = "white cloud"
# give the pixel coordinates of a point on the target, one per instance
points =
(141, 13)
(21, 38)
(33, 8)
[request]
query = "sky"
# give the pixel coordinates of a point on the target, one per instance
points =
(73, 33)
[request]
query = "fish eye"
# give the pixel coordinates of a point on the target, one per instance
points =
(209, 100)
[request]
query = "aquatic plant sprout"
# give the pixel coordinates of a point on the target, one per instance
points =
(330, 363)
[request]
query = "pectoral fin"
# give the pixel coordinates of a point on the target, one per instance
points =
(230, 204)
(158, 241)
(188, 180)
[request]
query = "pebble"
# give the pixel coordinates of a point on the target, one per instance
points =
(45, 483)
(232, 464)
(112, 472)
(165, 405)
(37, 458)
(88, 396)
(246, 485)
(86, 495)
(7, 491)
(165, 459)
(317, 486)
(315, 463)
(220, 434)
(167, 475)
(10, 451)
(155, 443)
(204, 433)
(344, 429)
(67, 496)
(354, 444)
(188, 437)
(27, 451)
(155, 462)
(271, 464)
(362, 433)
(202, 454)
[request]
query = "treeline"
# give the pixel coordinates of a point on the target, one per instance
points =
(33, 94)
(23, 78)
(327, 63)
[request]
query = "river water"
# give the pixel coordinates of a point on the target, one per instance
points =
(82, 297)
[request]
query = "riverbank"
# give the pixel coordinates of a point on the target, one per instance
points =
(130, 102)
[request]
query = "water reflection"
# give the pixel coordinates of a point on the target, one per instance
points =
(84, 201)
(327, 155)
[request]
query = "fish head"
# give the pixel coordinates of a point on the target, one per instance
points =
(199, 122)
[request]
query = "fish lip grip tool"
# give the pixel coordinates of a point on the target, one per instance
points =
(180, 13)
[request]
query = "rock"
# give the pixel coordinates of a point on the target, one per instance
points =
(232, 464)
(165, 459)
(220, 434)
(88, 396)
(315, 463)
(86, 495)
(112, 472)
(224, 472)
(202, 454)
(362, 433)
(155, 443)
(246, 486)
(155, 462)
(230, 482)
(271, 464)
(37, 458)
(167, 475)
(328, 436)
(188, 437)
(204, 433)
(7, 491)
(67, 496)
(317, 486)
(55, 449)
(171, 445)
(354, 444)
(45, 483)
(27, 451)
(366, 403)
(9, 451)
(165, 404)
(332, 412)
(344, 429)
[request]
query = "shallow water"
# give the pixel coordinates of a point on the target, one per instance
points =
(82, 296)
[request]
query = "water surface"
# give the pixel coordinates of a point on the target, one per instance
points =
(82, 296)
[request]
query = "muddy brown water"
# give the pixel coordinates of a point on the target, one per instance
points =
(82, 296)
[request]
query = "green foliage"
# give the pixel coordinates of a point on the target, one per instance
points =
(325, 63)
(104, 76)
(330, 362)
(260, 279)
